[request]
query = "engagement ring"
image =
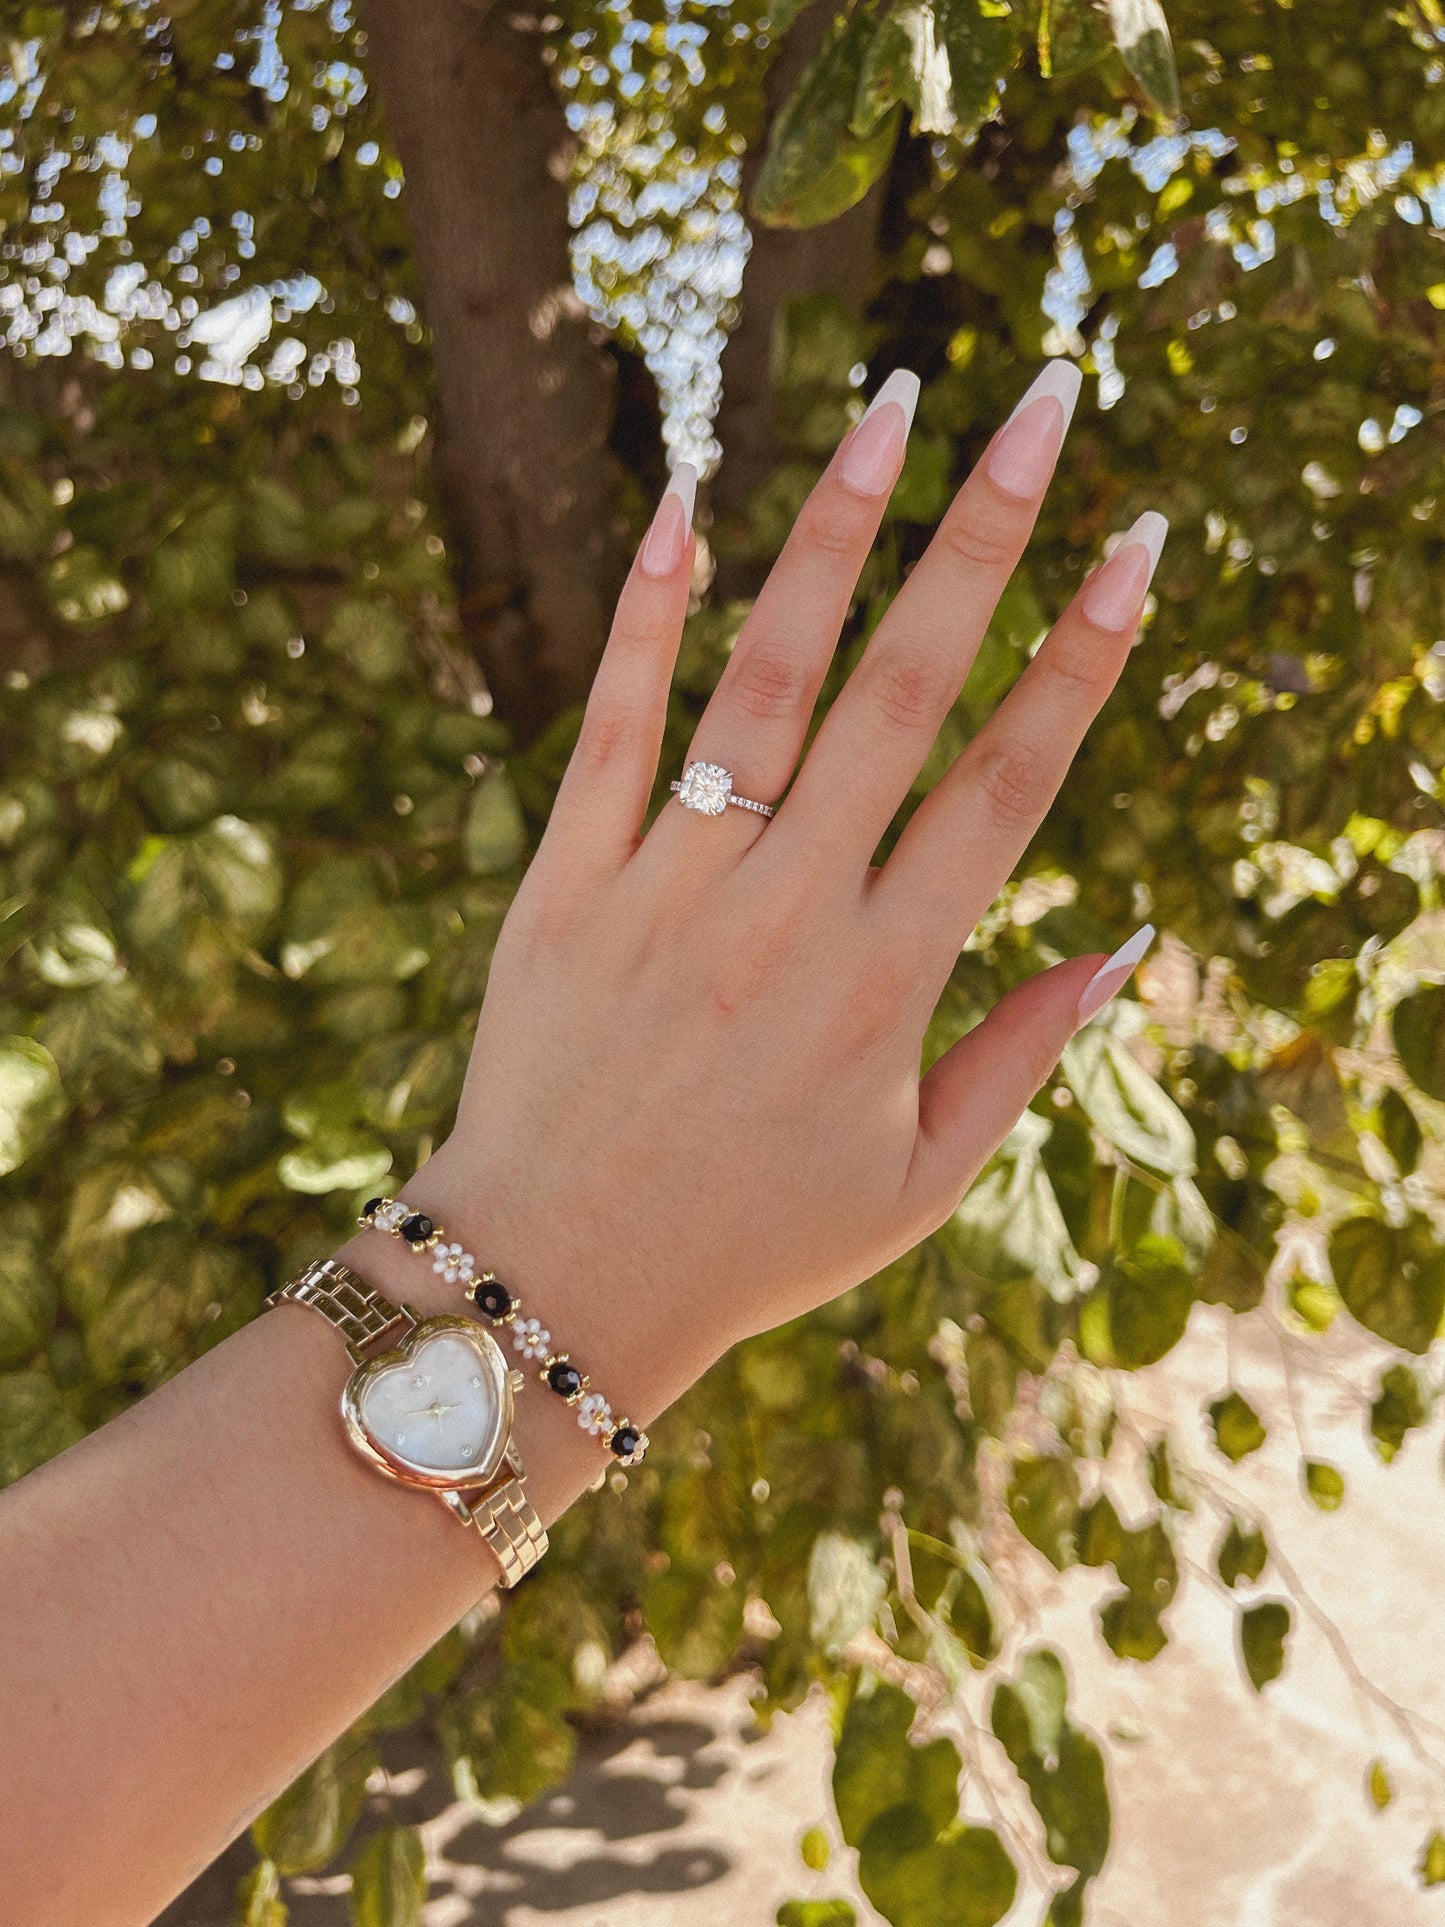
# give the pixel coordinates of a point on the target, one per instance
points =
(708, 787)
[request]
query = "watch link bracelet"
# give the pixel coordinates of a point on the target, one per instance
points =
(432, 1408)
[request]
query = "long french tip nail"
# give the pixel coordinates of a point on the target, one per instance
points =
(666, 541)
(1114, 972)
(1114, 595)
(1060, 378)
(872, 455)
(902, 387)
(1022, 454)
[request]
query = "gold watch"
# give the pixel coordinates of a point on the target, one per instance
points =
(432, 1409)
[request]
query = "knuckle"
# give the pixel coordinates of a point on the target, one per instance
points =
(910, 690)
(982, 541)
(605, 736)
(1015, 786)
(1077, 662)
(834, 525)
(768, 682)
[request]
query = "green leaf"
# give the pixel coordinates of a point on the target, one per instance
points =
(311, 1821)
(1325, 1484)
(258, 1898)
(1418, 1026)
(1072, 34)
(1062, 1767)
(35, 1423)
(495, 835)
(981, 39)
(696, 1622)
(29, 1296)
(1401, 1404)
(1148, 1295)
(31, 1099)
(815, 167)
(370, 637)
(1009, 1225)
(904, 63)
(1126, 1106)
(1262, 1633)
(1242, 1553)
(845, 1590)
(1043, 1501)
(815, 1849)
(1131, 1627)
(876, 1766)
(388, 1879)
(816, 1913)
(1141, 33)
(1400, 1129)
(1238, 1430)
(915, 1879)
(1392, 1280)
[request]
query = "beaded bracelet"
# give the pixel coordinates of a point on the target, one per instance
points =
(500, 1306)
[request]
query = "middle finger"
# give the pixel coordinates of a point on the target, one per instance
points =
(874, 739)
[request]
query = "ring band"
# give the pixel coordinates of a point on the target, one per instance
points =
(708, 788)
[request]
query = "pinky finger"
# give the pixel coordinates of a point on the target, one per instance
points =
(600, 806)
(976, 1092)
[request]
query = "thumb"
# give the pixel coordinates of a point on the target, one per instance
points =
(972, 1098)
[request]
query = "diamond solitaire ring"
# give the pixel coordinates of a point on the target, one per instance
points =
(708, 787)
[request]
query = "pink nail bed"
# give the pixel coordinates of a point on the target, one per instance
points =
(1114, 596)
(873, 452)
(1026, 448)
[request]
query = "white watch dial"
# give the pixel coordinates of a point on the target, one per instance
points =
(435, 1408)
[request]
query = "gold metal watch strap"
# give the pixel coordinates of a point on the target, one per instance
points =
(505, 1517)
(360, 1313)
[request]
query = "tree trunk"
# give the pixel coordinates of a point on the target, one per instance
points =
(784, 264)
(526, 388)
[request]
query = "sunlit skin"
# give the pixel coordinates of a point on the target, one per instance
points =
(693, 1111)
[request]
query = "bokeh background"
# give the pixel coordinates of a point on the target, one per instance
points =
(344, 358)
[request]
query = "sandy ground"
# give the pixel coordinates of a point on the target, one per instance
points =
(1231, 1810)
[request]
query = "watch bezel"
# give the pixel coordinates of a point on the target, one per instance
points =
(393, 1465)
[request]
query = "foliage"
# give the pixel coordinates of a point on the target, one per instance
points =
(257, 841)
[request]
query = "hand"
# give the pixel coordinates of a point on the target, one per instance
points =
(694, 1107)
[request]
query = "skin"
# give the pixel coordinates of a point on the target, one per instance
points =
(693, 1111)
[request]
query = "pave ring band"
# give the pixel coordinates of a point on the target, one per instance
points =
(708, 788)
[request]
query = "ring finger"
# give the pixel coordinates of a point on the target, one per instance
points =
(757, 718)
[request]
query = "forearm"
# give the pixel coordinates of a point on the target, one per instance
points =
(198, 1598)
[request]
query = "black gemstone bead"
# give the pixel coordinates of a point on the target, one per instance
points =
(492, 1298)
(565, 1379)
(372, 1205)
(624, 1441)
(416, 1229)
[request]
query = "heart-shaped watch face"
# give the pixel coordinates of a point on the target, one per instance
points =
(437, 1411)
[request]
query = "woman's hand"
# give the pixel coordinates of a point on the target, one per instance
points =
(694, 1107)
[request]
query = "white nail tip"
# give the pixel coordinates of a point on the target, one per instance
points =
(1150, 531)
(1060, 378)
(901, 387)
(683, 484)
(1123, 959)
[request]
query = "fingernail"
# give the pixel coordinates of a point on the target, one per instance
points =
(1025, 449)
(1114, 972)
(1115, 594)
(873, 452)
(666, 541)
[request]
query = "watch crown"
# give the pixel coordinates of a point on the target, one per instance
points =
(518, 1379)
